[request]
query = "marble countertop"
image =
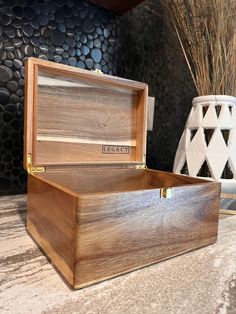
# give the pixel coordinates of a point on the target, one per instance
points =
(203, 281)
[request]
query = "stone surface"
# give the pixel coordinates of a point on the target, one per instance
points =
(4, 95)
(50, 30)
(96, 54)
(202, 281)
(5, 74)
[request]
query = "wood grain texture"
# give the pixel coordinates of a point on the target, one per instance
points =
(76, 112)
(122, 232)
(51, 222)
(117, 220)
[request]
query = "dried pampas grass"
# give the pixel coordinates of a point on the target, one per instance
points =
(206, 31)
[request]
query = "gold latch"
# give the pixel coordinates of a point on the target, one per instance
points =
(141, 167)
(31, 169)
(166, 192)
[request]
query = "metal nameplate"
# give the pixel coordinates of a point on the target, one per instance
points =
(113, 149)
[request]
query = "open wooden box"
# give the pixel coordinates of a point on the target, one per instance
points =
(93, 207)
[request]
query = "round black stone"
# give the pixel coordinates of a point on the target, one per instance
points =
(8, 63)
(71, 52)
(17, 42)
(14, 98)
(43, 48)
(1, 30)
(34, 41)
(61, 27)
(43, 20)
(37, 33)
(27, 50)
(34, 23)
(70, 33)
(21, 82)
(96, 54)
(88, 26)
(4, 95)
(52, 25)
(8, 46)
(81, 64)
(59, 50)
(10, 32)
(5, 74)
(17, 74)
(5, 19)
(106, 33)
(27, 30)
(83, 39)
(19, 54)
(26, 40)
(57, 37)
(45, 32)
(65, 55)
(65, 47)
(57, 58)
(90, 44)
(97, 43)
(20, 92)
(70, 42)
(3, 55)
(17, 63)
(85, 50)
(99, 30)
(89, 63)
(78, 52)
(17, 23)
(19, 33)
(72, 61)
(12, 86)
(10, 55)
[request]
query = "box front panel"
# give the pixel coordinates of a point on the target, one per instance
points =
(121, 232)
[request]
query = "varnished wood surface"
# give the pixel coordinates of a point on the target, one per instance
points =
(51, 222)
(202, 281)
(89, 180)
(122, 232)
(73, 113)
(118, 224)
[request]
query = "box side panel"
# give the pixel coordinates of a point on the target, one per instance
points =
(51, 223)
(121, 232)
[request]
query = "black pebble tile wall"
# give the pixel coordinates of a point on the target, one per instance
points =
(70, 32)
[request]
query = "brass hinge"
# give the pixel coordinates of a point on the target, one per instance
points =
(141, 167)
(166, 192)
(31, 169)
(98, 71)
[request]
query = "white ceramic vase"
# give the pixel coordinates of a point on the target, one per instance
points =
(209, 141)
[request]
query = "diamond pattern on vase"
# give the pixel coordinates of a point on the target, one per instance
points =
(210, 120)
(214, 144)
(217, 154)
(226, 120)
(196, 153)
(195, 117)
(183, 145)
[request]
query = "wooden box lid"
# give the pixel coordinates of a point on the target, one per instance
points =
(79, 117)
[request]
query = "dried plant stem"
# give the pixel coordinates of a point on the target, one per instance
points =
(206, 32)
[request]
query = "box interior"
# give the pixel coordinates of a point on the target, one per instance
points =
(87, 181)
(76, 116)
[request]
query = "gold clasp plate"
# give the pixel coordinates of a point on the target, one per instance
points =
(166, 192)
